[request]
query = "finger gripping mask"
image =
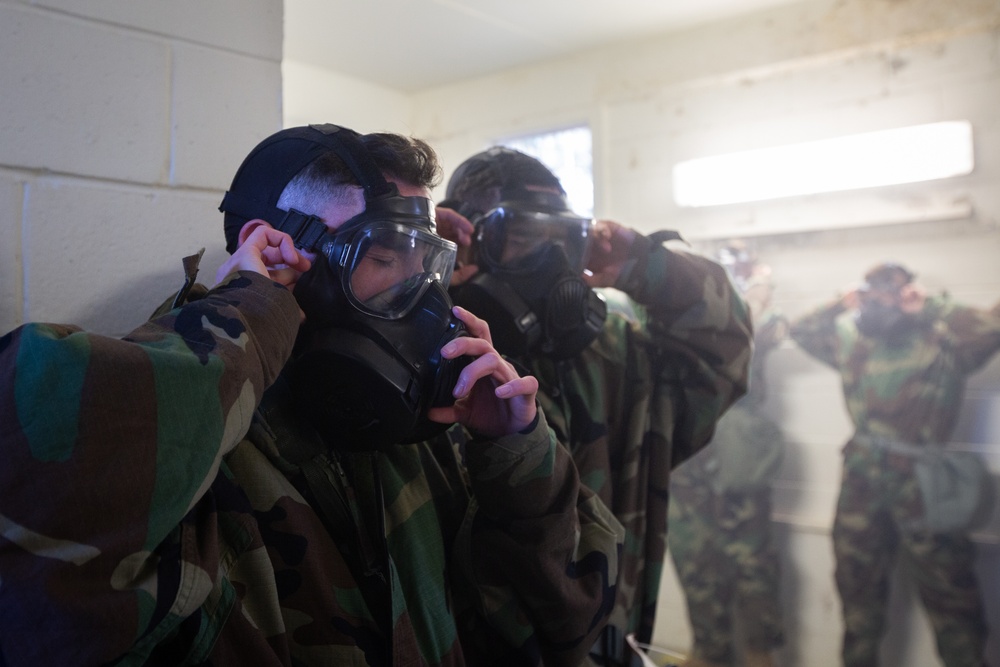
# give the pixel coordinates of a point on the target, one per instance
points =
(368, 382)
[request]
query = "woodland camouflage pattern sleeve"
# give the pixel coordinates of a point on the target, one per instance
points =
(540, 550)
(976, 332)
(816, 332)
(701, 325)
(106, 445)
(973, 334)
(913, 393)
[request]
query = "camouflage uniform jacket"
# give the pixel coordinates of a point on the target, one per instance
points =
(644, 396)
(139, 526)
(747, 447)
(910, 389)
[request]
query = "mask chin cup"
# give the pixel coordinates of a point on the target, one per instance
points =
(350, 406)
(367, 383)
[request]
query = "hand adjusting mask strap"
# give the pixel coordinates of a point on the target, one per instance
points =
(367, 364)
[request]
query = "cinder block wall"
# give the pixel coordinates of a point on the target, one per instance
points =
(121, 125)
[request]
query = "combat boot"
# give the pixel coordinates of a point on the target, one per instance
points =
(758, 659)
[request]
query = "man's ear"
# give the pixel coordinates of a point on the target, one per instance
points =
(248, 228)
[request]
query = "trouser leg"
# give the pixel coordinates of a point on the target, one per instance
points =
(942, 567)
(706, 580)
(864, 543)
(757, 568)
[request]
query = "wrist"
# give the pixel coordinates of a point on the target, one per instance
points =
(532, 426)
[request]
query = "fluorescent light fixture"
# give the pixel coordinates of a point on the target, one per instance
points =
(890, 157)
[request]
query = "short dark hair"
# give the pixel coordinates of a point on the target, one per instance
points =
(495, 175)
(404, 159)
(328, 177)
(888, 276)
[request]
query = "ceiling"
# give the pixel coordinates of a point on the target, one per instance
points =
(410, 45)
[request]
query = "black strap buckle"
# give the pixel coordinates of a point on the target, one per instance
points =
(305, 230)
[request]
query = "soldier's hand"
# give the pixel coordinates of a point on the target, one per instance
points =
(493, 400)
(270, 253)
(608, 253)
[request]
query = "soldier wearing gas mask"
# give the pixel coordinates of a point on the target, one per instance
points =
(903, 357)
(531, 250)
(638, 348)
(721, 538)
(343, 527)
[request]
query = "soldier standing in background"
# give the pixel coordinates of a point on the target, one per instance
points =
(903, 358)
(720, 510)
(632, 379)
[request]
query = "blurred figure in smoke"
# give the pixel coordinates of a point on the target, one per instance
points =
(720, 509)
(903, 358)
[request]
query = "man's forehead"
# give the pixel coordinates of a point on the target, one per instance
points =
(884, 286)
(888, 277)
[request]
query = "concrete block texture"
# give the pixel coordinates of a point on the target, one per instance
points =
(122, 125)
(223, 105)
(82, 98)
(243, 26)
(104, 256)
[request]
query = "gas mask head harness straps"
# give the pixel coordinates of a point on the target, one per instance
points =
(367, 364)
(531, 250)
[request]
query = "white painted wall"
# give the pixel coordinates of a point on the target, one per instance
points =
(121, 125)
(316, 95)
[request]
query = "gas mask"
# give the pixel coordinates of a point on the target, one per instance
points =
(531, 255)
(878, 320)
(367, 363)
